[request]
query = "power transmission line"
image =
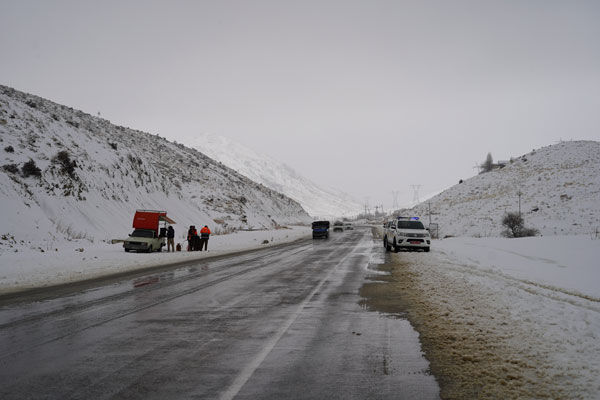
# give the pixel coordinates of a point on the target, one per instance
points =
(395, 204)
(415, 189)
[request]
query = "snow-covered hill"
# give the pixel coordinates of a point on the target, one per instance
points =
(86, 177)
(560, 194)
(317, 201)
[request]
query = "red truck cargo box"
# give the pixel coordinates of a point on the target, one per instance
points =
(147, 219)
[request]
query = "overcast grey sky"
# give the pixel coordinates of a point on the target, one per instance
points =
(365, 96)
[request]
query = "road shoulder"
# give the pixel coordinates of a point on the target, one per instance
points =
(81, 264)
(480, 337)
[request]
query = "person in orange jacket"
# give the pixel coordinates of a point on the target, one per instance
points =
(204, 235)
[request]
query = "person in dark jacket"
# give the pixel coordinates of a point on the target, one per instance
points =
(192, 239)
(170, 239)
(204, 235)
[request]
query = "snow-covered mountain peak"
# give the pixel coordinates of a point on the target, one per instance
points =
(317, 201)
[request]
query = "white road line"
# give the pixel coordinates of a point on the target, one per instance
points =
(249, 370)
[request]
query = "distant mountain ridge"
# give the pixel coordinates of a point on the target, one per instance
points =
(559, 186)
(316, 200)
(93, 175)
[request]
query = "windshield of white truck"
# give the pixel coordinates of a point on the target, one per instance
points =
(410, 225)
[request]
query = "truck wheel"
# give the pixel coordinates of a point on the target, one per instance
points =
(127, 250)
(396, 247)
(386, 244)
(426, 249)
(150, 249)
(159, 249)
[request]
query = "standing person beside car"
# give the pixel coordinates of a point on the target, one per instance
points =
(204, 235)
(170, 239)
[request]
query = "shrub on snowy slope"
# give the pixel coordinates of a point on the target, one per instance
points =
(30, 169)
(515, 226)
(67, 166)
(91, 176)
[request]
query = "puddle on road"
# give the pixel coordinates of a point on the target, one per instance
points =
(380, 300)
(388, 293)
(378, 296)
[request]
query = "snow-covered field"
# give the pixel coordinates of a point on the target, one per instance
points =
(565, 264)
(535, 301)
(23, 266)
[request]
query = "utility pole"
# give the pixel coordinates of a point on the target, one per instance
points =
(429, 211)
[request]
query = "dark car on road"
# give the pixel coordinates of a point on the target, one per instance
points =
(320, 229)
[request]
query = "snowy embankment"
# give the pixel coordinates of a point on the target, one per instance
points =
(565, 264)
(66, 175)
(23, 267)
(520, 314)
(557, 188)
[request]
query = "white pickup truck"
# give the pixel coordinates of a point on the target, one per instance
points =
(406, 233)
(144, 240)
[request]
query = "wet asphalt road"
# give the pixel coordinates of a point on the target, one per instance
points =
(277, 323)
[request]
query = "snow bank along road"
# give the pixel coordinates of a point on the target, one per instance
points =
(500, 326)
(25, 266)
(283, 322)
